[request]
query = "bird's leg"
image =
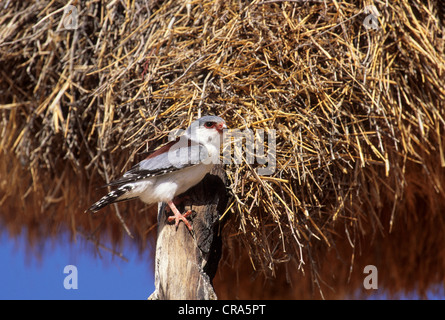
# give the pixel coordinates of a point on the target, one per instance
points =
(178, 216)
(178, 200)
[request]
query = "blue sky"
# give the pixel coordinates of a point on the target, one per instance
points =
(25, 276)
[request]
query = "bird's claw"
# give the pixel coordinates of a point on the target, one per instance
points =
(178, 217)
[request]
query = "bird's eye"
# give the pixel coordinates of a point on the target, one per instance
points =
(209, 124)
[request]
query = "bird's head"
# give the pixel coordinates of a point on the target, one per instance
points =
(207, 129)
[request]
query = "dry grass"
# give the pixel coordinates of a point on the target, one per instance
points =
(358, 114)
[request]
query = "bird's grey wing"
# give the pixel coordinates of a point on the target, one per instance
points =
(175, 158)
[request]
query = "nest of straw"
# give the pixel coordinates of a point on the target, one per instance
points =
(358, 114)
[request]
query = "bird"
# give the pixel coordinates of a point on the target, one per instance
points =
(171, 170)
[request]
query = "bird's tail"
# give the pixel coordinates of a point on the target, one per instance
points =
(113, 196)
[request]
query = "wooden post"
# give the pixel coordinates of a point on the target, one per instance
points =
(186, 262)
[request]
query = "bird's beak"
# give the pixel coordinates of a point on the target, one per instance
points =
(221, 126)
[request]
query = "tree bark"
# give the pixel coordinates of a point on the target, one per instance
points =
(186, 262)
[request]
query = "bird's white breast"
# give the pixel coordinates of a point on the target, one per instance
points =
(164, 188)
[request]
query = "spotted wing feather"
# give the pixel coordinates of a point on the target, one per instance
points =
(110, 198)
(172, 157)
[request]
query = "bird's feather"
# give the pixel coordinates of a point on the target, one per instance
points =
(174, 156)
(111, 197)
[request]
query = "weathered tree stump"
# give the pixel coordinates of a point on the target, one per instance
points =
(186, 262)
